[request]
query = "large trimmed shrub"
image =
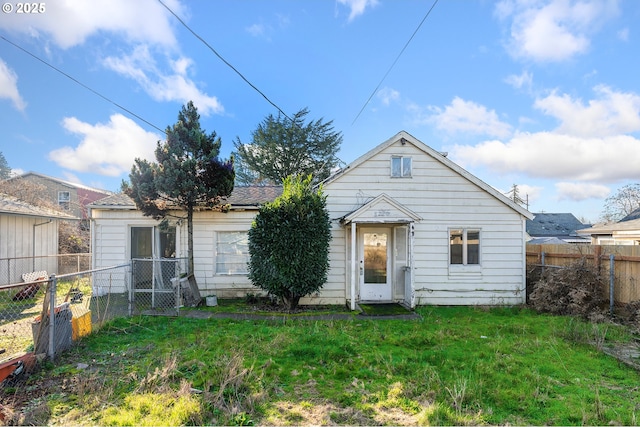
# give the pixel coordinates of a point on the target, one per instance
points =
(289, 242)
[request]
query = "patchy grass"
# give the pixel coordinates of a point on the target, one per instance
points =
(457, 366)
(383, 309)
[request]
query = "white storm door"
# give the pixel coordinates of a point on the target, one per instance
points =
(375, 264)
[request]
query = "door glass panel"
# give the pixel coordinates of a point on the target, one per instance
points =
(141, 242)
(168, 242)
(375, 257)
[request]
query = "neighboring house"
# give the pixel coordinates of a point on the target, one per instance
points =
(555, 228)
(71, 197)
(408, 225)
(26, 232)
(624, 232)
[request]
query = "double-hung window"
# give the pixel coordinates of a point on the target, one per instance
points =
(64, 199)
(401, 167)
(232, 252)
(464, 246)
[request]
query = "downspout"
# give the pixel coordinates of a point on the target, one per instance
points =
(34, 241)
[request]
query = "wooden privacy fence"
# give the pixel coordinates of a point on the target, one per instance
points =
(621, 264)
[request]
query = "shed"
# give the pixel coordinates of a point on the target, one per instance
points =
(28, 238)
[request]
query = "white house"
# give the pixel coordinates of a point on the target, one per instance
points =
(408, 225)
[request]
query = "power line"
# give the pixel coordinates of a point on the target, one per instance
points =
(82, 84)
(224, 60)
(396, 60)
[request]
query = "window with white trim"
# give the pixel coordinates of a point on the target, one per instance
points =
(64, 199)
(401, 167)
(232, 252)
(464, 246)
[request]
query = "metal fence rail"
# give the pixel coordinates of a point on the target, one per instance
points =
(156, 285)
(46, 313)
(47, 316)
(11, 269)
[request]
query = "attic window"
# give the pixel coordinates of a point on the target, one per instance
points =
(64, 199)
(401, 167)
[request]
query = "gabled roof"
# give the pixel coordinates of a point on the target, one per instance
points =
(633, 215)
(61, 182)
(554, 225)
(606, 229)
(407, 138)
(379, 210)
(241, 197)
(13, 206)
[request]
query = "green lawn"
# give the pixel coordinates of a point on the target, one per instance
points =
(455, 366)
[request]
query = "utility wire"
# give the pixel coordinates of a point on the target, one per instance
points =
(394, 62)
(82, 84)
(224, 60)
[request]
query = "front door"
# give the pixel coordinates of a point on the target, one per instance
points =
(375, 263)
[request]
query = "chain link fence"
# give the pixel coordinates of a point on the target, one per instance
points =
(159, 286)
(80, 303)
(11, 269)
(46, 313)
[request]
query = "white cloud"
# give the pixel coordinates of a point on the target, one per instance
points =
(523, 81)
(106, 149)
(623, 34)
(9, 86)
(579, 191)
(613, 113)
(557, 156)
(468, 117)
(357, 7)
(256, 30)
(173, 86)
(388, 95)
(69, 23)
(553, 30)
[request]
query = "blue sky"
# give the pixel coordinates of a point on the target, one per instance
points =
(542, 94)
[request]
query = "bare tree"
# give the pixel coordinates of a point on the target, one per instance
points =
(622, 203)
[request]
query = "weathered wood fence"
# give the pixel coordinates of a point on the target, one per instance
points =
(620, 263)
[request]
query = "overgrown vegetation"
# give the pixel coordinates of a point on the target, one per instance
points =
(577, 289)
(458, 366)
(289, 242)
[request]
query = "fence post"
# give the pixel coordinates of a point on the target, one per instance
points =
(612, 266)
(542, 263)
(53, 281)
(132, 286)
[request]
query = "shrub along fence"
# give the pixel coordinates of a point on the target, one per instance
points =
(620, 264)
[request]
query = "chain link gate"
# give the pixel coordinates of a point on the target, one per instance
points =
(155, 285)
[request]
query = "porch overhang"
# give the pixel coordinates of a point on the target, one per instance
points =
(382, 209)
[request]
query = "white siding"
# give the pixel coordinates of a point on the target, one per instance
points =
(24, 236)
(444, 199)
(111, 244)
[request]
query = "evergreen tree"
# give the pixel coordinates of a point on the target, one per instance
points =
(289, 242)
(5, 170)
(188, 174)
(282, 147)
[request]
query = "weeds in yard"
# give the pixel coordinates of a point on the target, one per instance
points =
(488, 367)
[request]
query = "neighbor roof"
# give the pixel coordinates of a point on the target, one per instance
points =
(554, 224)
(61, 181)
(14, 206)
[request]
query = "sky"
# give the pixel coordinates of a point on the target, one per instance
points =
(542, 94)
